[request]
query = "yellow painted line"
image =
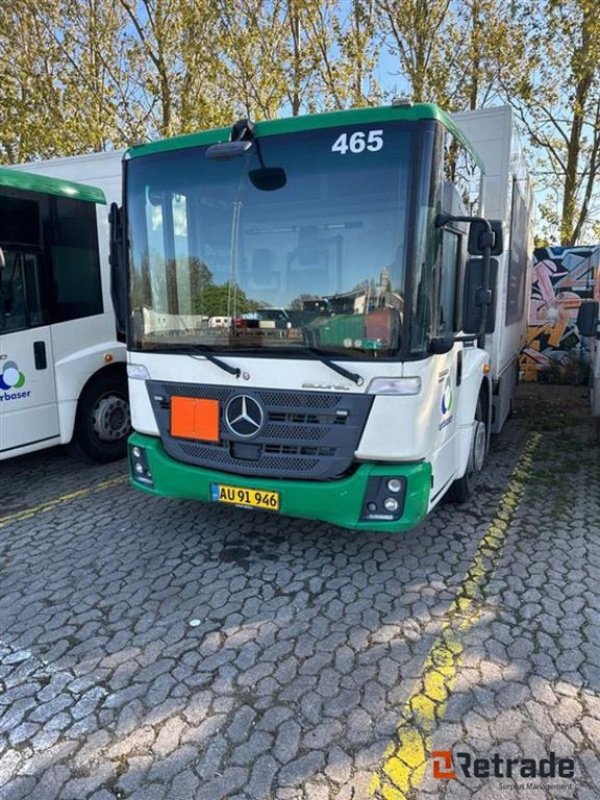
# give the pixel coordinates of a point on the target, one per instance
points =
(59, 501)
(407, 757)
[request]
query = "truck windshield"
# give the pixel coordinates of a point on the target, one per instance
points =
(223, 259)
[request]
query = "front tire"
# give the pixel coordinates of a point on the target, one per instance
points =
(103, 421)
(462, 490)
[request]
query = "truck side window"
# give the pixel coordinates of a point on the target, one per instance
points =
(76, 288)
(461, 170)
(517, 269)
(446, 322)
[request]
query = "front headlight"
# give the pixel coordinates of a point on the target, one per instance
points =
(138, 372)
(395, 386)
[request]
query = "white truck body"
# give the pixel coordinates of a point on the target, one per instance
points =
(493, 133)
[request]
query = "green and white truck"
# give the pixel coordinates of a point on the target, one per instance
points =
(395, 239)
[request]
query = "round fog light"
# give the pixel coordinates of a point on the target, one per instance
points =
(390, 504)
(137, 453)
(394, 485)
(139, 469)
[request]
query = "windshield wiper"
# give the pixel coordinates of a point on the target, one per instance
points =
(345, 373)
(205, 351)
(319, 356)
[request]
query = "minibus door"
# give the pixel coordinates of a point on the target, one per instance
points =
(28, 404)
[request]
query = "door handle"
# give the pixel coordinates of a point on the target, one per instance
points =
(39, 355)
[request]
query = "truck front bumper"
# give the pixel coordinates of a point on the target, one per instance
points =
(340, 502)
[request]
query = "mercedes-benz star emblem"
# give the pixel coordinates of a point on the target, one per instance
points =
(244, 416)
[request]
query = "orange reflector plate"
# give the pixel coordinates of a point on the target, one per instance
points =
(195, 418)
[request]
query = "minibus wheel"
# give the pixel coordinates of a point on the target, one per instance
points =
(103, 421)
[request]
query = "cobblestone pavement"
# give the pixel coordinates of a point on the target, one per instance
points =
(154, 649)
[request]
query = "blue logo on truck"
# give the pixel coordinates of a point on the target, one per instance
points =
(12, 378)
(447, 403)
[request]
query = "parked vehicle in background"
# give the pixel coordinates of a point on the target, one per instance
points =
(62, 370)
(219, 322)
(406, 314)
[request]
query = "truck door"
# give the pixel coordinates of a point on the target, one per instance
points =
(28, 407)
(446, 370)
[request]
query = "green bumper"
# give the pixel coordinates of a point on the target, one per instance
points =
(339, 502)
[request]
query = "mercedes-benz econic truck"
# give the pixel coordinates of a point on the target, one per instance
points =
(62, 370)
(392, 242)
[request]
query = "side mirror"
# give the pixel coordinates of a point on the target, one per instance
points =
(118, 278)
(478, 235)
(268, 179)
(587, 318)
(475, 297)
(441, 345)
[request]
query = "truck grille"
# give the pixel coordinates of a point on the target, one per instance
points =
(309, 435)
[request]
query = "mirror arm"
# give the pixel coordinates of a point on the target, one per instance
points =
(443, 219)
(466, 337)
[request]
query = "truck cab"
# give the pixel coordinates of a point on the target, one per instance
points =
(367, 229)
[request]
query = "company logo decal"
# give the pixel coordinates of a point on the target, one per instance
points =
(446, 767)
(447, 402)
(447, 397)
(11, 377)
(244, 416)
(442, 765)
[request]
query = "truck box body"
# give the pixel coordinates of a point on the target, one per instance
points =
(507, 196)
(96, 169)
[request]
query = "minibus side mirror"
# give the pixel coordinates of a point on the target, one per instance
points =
(118, 279)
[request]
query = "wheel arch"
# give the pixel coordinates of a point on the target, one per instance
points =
(69, 413)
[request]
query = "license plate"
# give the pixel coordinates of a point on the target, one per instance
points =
(249, 498)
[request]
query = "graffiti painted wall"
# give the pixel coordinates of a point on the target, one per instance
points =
(562, 278)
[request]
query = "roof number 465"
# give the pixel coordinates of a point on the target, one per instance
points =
(357, 142)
